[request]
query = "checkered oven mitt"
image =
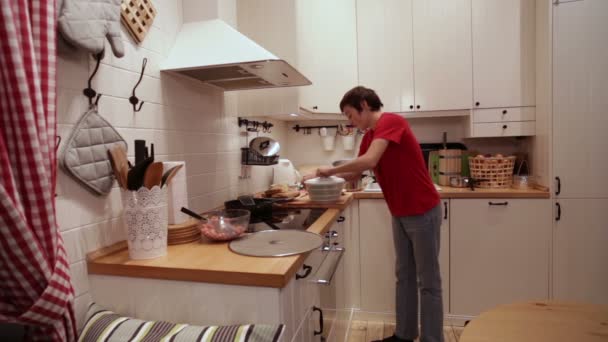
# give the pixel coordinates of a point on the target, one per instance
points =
(85, 155)
(87, 23)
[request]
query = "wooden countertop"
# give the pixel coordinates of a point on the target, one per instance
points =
(450, 192)
(206, 262)
(539, 322)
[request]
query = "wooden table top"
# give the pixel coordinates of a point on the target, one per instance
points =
(539, 322)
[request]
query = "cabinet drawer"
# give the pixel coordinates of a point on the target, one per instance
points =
(504, 114)
(503, 129)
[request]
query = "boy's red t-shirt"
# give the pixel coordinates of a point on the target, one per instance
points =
(401, 171)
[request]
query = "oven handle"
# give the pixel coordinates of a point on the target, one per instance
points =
(328, 267)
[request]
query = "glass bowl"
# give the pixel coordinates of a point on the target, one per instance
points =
(225, 225)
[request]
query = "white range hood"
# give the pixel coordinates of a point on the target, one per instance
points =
(213, 52)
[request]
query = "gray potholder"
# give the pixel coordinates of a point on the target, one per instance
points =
(87, 23)
(85, 155)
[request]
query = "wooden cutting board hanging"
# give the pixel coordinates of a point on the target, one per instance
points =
(137, 16)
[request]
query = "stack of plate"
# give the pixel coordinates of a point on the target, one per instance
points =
(186, 232)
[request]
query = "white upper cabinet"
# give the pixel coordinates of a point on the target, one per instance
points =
(326, 36)
(503, 53)
(385, 51)
(580, 98)
(442, 54)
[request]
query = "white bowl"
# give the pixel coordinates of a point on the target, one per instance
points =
(325, 189)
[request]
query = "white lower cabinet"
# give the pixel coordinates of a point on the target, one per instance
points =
(310, 329)
(378, 256)
(333, 295)
(580, 253)
(499, 252)
(297, 300)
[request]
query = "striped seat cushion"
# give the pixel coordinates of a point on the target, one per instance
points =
(104, 325)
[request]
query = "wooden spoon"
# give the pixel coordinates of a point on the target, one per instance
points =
(169, 174)
(121, 163)
(114, 163)
(124, 171)
(153, 175)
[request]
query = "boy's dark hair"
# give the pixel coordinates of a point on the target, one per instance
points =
(354, 97)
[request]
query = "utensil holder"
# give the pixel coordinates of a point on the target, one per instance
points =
(329, 142)
(523, 182)
(145, 218)
(349, 142)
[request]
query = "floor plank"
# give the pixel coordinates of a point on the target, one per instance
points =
(362, 331)
(375, 331)
(458, 331)
(358, 331)
(449, 335)
(389, 329)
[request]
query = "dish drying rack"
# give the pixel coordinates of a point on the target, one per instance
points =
(251, 157)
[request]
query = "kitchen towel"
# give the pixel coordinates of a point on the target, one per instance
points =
(177, 194)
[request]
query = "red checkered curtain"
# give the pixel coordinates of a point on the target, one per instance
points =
(35, 287)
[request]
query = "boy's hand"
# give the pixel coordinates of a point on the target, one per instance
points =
(324, 172)
(307, 177)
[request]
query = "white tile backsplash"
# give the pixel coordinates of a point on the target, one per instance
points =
(80, 279)
(72, 70)
(70, 106)
(185, 119)
(81, 304)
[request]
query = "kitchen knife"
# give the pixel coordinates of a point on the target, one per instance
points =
(140, 151)
(135, 177)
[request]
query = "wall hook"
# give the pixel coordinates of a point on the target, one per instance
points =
(57, 142)
(133, 99)
(267, 126)
(89, 91)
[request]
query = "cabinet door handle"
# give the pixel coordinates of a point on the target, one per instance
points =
(559, 211)
(559, 186)
(315, 107)
(411, 106)
(417, 106)
(476, 104)
(331, 234)
(307, 270)
(499, 203)
(320, 331)
(504, 112)
(504, 126)
(445, 210)
(341, 219)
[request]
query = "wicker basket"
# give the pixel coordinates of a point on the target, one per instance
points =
(492, 172)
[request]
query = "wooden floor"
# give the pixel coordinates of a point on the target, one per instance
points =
(365, 331)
